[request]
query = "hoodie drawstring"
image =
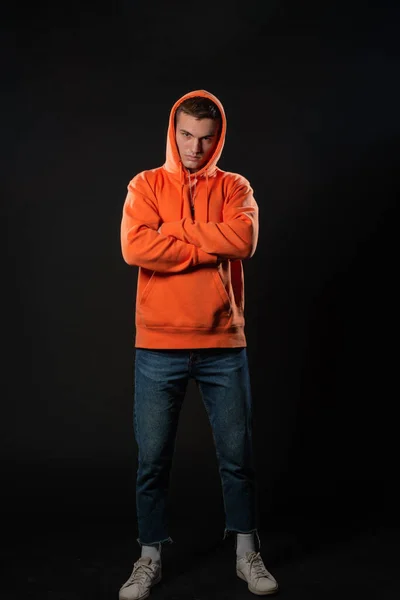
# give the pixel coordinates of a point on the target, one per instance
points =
(207, 194)
(192, 194)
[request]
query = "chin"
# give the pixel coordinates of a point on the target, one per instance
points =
(191, 169)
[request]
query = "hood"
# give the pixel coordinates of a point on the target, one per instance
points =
(173, 163)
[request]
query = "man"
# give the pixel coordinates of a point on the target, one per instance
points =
(188, 225)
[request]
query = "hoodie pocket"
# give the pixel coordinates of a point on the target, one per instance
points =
(197, 299)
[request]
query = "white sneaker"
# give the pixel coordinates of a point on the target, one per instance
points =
(145, 574)
(251, 568)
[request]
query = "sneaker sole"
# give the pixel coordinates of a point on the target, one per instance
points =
(257, 592)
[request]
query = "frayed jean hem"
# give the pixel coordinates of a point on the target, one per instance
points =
(159, 543)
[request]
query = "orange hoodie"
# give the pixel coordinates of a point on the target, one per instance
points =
(190, 291)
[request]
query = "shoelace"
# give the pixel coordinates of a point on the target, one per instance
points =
(140, 573)
(258, 567)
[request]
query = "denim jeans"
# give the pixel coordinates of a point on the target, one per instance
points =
(161, 377)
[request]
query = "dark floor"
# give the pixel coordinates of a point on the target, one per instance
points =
(90, 560)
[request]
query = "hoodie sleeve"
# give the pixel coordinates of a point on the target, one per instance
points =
(234, 238)
(141, 243)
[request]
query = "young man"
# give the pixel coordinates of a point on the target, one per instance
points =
(188, 225)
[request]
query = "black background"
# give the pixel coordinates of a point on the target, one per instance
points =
(312, 99)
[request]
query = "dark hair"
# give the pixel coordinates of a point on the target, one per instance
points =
(200, 108)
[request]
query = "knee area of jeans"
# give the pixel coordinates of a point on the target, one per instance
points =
(153, 453)
(235, 437)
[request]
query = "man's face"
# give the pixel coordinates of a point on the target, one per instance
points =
(196, 140)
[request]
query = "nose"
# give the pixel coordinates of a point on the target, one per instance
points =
(196, 146)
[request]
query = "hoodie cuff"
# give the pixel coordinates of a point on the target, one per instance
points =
(205, 258)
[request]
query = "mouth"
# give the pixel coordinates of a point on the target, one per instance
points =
(193, 158)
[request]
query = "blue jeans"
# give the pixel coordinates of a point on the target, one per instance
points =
(161, 377)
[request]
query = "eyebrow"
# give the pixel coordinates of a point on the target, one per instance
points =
(204, 136)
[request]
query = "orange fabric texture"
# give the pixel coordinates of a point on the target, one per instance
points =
(190, 289)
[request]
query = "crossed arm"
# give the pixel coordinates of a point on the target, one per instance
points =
(172, 247)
